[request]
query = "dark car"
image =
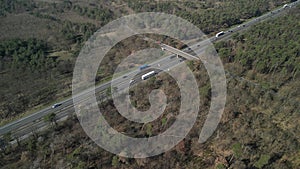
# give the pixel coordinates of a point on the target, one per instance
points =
(173, 56)
(56, 105)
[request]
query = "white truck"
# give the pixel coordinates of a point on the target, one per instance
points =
(220, 34)
(147, 75)
(285, 5)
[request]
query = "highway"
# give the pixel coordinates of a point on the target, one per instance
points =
(23, 127)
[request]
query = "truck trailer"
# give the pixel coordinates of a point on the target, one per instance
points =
(147, 75)
(220, 34)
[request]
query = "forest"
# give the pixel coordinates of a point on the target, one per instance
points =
(62, 28)
(259, 127)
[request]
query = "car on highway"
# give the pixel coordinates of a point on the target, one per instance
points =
(173, 56)
(145, 66)
(55, 105)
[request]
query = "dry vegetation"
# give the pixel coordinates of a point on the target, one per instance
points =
(260, 125)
